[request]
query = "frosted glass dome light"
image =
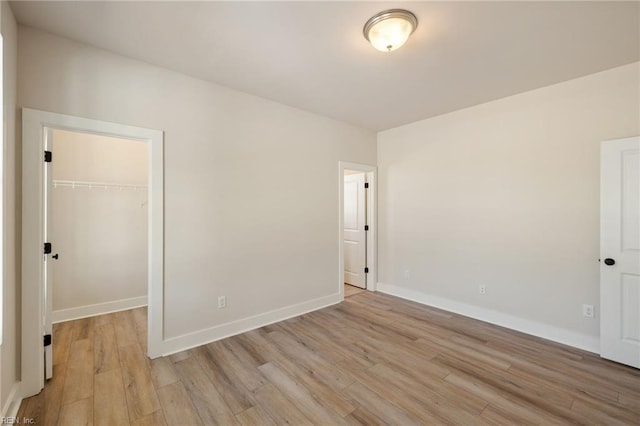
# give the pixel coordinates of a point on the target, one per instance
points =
(390, 29)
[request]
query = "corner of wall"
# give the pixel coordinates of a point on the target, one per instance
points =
(534, 328)
(222, 331)
(12, 404)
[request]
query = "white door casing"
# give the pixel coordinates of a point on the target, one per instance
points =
(35, 128)
(355, 242)
(620, 251)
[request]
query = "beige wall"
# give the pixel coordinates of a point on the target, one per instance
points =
(10, 350)
(99, 233)
(505, 194)
(97, 158)
(251, 186)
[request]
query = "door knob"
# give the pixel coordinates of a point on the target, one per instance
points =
(55, 256)
(608, 261)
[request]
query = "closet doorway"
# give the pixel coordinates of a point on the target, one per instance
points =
(97, 188)
(98, 220)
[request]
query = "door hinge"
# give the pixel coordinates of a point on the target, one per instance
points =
(366, 185)
(48, 156)
(47, 340)
(366, 227)
(366, 270)
(47, 248)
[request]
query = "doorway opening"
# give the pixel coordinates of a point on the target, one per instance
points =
(357, 228)
(80, 250)
(98, 220)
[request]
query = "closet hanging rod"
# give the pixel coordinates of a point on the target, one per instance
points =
(96, 185)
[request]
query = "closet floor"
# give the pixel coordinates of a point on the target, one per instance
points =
(350, 290)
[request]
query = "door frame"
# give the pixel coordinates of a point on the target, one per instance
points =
(34, 132)
(371, 173)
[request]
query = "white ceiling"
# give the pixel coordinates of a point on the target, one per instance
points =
(312, 55)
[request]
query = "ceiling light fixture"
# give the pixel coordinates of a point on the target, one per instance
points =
(390, 29)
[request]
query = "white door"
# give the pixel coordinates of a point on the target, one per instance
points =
(620, 251)
(355, 237)
(48, 274)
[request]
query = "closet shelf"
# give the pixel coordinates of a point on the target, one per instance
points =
(96, 185)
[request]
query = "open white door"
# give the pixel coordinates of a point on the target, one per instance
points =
(620, 251)
(355, 237)
(48, 257)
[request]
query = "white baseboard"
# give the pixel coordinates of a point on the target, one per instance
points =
(222, 331)
(12, 404)
(98, 309)
(534, 328)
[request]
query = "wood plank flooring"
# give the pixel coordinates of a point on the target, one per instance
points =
(350, 290)
(373, 359)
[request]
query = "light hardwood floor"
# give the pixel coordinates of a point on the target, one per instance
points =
(350, 290)
(373, 359)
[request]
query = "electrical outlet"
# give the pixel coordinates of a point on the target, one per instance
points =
(222, 301)
(406, 274)
(482, 289)
(587, 311)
